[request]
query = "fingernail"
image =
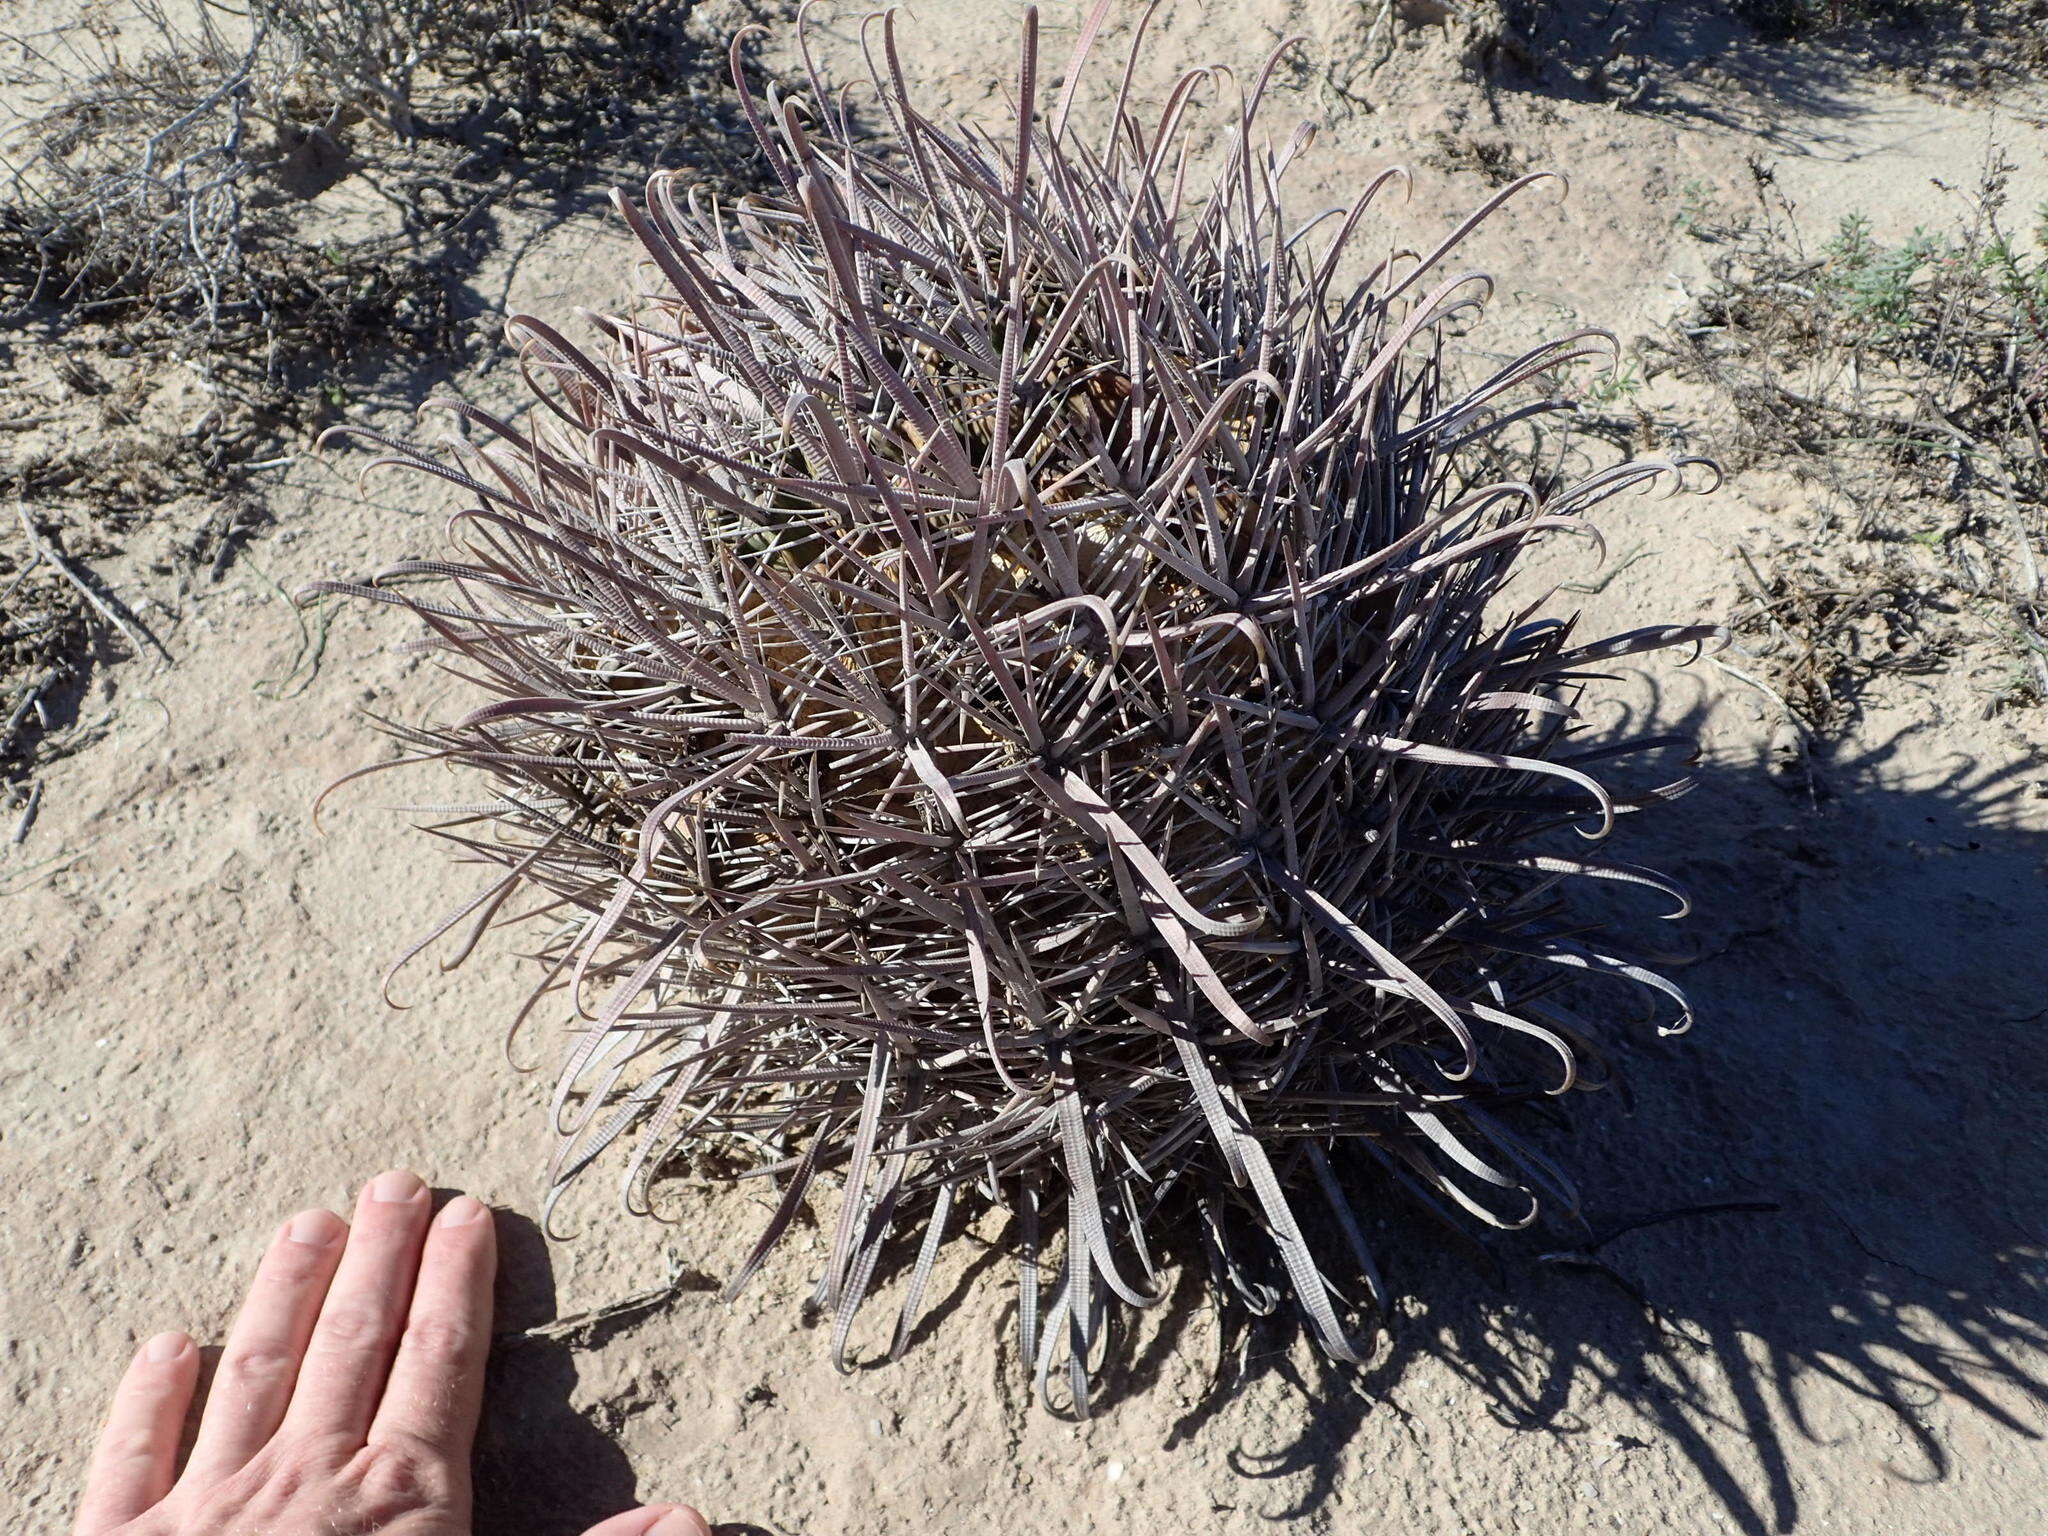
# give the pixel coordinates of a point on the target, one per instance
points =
(459, 1212)
(395, 1187)
(678, 1522)
(165, 1346)
(316, 1229)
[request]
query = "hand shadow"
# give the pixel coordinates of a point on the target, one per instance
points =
(542, 1468)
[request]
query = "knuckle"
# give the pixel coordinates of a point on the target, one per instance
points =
(240, 1502)
(257, 1364)
(404, 1473)
(121, 1447)
(438, 1338)
(358, 1327)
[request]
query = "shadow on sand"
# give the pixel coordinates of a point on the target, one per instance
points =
(1782, 70)
(542, 1467)
(1872, 988)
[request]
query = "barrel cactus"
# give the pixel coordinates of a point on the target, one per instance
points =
(997, 689)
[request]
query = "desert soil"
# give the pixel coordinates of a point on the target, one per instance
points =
(196, 1044)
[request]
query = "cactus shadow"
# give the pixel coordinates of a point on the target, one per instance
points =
(1872, 990)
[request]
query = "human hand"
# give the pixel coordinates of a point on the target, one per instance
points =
(346, 1399)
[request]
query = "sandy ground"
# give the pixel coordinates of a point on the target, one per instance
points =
(196, 1045)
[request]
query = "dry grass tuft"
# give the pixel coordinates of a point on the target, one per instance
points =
(278, 208)
(1909, 384)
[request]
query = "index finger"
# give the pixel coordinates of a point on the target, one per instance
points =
(436, 1386)
(138, 1449)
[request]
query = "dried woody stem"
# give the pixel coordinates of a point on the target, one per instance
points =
(991, 694)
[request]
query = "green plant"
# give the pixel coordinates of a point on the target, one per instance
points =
(1612, 386)
(1877, 285)
(1697, 209)
(2023, 279)
(994, 687)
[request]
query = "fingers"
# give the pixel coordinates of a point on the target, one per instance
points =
(437, 1381)
(349, 1352)
(653, 1520)
(138, 1449)
(260, 1365)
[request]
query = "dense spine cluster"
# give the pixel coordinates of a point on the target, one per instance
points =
(998, 688)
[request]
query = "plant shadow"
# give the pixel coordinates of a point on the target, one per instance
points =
(1768, 62)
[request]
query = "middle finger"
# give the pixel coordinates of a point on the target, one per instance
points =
(352, 1343)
